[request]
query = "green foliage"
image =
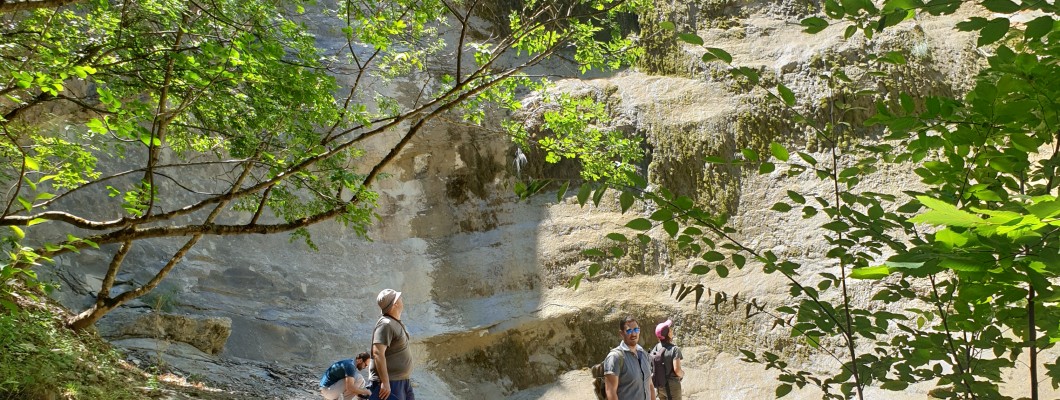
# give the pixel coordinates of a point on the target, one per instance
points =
(63, 364)
(152, 93)
(978, 245)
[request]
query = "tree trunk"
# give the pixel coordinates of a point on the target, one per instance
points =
(92, 315)
(1032, 343)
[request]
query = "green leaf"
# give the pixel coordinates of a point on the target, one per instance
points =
(943, 213)
(618, 237)
(783, 390)
(1038, 28)
(722, 270)
(31, 164)
(661, 215)
(893, 18)
(712, 256)
(907, 102)
(850, 31)
(700, 269)
(747, 72)
(684, 202)
(766, 168)
(562, 191)
(749, 154)
(640, 224)
(781, 207)
(813, 25)
(25, 203)
(837, 226)
(870, 272)
(36, 221)
(994, 30)
(972, 24)
(18, 232)
(670, 227)
(598, 195)
(739, 260)
(1001, 6)
(786, 94)
(808, 158)
(1046, 209)
(96, 125)
(833, 10)
(667, 25)
(779, 151)
(593, 253)
(625, 201)
(594, 269)
(796, 197)
(967, 264)
(719, 54)
(691, 38)
(1023, 142)
(896, 58)
(950, 238)
(894, 385)
(583, 194)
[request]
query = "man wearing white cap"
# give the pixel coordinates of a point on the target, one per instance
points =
(391, 357)
(666, 360)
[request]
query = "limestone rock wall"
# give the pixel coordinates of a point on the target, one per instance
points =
(484, 275)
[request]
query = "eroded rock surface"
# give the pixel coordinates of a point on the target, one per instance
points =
(484, 275)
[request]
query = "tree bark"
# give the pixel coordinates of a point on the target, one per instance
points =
(1032, 343)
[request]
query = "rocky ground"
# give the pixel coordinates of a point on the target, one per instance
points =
(245, 379)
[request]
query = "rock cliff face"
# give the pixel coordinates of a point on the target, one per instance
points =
(483, 274)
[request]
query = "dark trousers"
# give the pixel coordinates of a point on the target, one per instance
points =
(399, 390)
(675, 390)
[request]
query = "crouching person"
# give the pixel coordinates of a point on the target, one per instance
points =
(343, 380)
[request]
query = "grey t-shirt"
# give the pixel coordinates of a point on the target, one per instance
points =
(392, 333)
(673, 352)
(634, 380)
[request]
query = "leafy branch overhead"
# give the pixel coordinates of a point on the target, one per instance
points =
(151, 94)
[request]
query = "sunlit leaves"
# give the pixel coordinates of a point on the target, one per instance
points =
(876, 272)
(576, 134)
(779, 151)
(942, 213)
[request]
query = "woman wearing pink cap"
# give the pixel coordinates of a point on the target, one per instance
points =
(666, 360)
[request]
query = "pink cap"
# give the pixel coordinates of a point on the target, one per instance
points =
(663, 328)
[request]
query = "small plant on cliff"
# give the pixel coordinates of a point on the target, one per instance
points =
(112, 108)
(965, 265)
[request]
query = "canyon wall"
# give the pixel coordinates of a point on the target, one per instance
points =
(484, 274)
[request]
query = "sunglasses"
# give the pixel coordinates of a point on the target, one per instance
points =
(632, 331)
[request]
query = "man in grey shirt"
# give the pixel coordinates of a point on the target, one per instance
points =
(630, 378)
(391, 357)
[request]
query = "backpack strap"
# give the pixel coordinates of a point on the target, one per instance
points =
(621, 361)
